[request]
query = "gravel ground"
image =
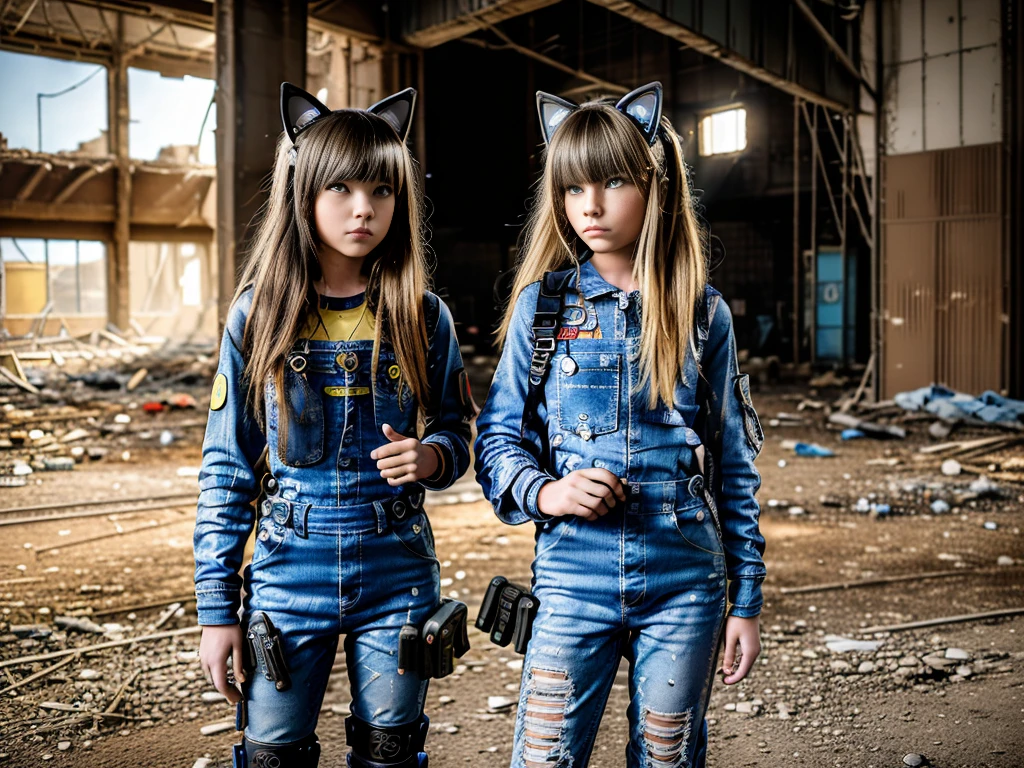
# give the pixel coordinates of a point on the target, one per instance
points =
(953, 693)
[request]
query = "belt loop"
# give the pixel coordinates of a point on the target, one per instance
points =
(382, 518)
(300, 519)
(281, 511)
(696, 486)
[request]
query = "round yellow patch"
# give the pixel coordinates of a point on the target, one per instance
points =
(219, 396)
(394, 371)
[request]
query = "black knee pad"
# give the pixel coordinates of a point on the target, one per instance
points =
(304, 753)
(397, 746)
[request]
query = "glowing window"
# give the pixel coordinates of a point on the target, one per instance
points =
(723, 132)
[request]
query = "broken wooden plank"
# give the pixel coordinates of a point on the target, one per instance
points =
(875, 582)
(868, 372)
(956, 446)
(99, 647)
(870, 428)
(944, 620)
(41, 673)
(25, 385)
(112, 534)
(143, 606)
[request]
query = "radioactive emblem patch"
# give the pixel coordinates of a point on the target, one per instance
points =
(219, 396)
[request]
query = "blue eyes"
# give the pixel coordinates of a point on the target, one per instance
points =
(384, 190)
(613, 183)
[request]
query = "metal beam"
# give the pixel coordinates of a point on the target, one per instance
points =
(834, 46)
(653, 20)
(530, 53)
(463, 24)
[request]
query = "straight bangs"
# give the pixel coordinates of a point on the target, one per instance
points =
(593, 144)
(350, 145)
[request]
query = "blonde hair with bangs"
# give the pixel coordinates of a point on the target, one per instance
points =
(591, 145)
(283, 266)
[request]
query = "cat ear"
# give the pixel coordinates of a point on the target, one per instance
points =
(644, 106)
(397, 110)
(299, 110)
(552, 111)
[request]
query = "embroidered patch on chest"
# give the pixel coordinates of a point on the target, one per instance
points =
(579, 319)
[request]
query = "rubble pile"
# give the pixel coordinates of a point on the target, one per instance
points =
(99, 408)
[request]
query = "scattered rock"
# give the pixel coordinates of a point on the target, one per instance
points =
(950, 468)
(215, 728)
(499, 703)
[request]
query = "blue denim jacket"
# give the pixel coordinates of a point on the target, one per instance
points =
(322, 461)
(595, 414)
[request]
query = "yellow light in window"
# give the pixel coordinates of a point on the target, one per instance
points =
(723, 132)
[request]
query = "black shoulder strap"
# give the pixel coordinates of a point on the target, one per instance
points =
(546, 324)
(704, 314)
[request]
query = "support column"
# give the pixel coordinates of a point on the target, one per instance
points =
(259, 45)
(117, 136)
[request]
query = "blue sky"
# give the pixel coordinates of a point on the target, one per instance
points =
(163, 110)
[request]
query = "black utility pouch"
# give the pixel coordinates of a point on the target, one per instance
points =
(267, 653)
(432, 650)
(507, 612)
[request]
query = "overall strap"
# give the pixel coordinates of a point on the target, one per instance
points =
(547, 320)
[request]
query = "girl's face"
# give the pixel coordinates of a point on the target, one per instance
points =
(608, 216)
(352, 217)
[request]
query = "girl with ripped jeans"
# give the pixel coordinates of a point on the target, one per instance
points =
(634, 557)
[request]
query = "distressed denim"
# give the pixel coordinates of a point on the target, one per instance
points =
(334, 564)
(658, 573)
(354, 576)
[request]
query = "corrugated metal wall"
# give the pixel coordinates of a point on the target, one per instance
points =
(943, 272)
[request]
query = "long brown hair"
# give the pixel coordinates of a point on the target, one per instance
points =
(592, 144)
(282, 267)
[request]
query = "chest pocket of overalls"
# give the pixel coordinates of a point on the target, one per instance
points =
(300, 438)
(394, 404)
(588, 392)
(680, 413)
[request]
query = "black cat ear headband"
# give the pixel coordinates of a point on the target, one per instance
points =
(299, 110)
(643, 106)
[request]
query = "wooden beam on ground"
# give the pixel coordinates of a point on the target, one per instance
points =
(945, 620)
(99, 647)
(877, 582)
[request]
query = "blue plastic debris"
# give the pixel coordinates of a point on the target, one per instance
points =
(989, 406)
(851, 434)
(812, 450)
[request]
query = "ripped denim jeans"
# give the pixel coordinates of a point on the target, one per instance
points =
(654, 591)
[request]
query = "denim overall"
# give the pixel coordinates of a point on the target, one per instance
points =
(328, 560)
(650, 580)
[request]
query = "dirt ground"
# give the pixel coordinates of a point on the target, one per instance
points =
(803, 705)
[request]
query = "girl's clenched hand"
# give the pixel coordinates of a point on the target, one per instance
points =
(586, 493)
(404, 459)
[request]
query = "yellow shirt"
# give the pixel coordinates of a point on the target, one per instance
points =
(342, 318)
